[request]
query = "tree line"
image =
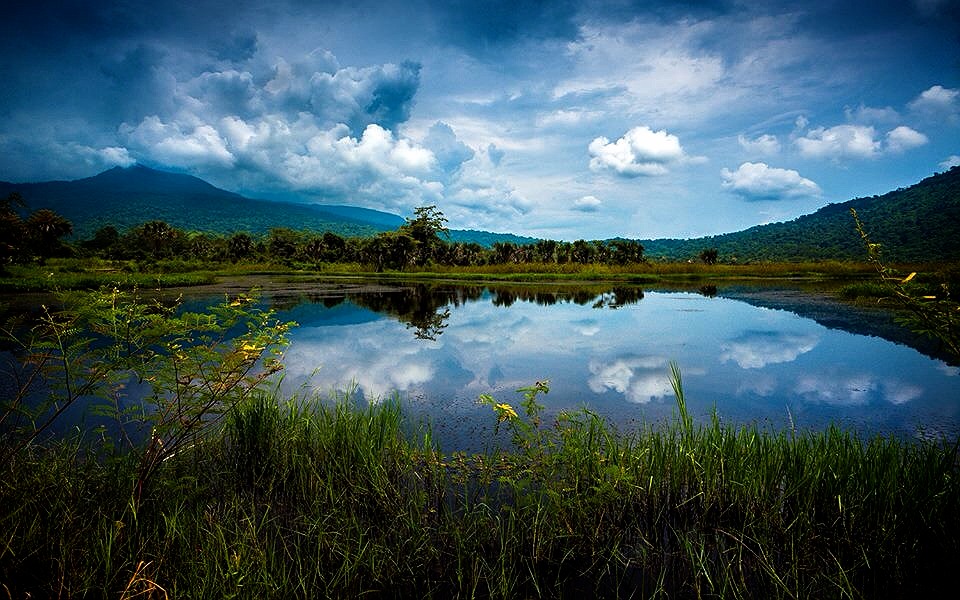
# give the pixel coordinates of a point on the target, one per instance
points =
(423, 240)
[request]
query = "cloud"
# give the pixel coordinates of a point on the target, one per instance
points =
(587, 204)
(938, 102)
(179, 145)
(856, 141)
(766, 144)
(378, 94)
(904, 138)
(449, 151)
(758, 181)
(642, 67)
(951, 161)
(479, 197)
(641, 151)
(866, 114)
(567, 117)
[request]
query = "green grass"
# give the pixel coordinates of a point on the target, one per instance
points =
(69, 275)
(309, 498)
(90, 273)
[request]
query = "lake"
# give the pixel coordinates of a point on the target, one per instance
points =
(780, 357)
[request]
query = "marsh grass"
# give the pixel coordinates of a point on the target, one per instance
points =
(320, 498)
(64, 275)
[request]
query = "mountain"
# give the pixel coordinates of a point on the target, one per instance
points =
(918, 223)
(127, 197)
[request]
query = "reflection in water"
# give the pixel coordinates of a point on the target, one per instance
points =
(640, 379)
(757, 349)
(750, 364)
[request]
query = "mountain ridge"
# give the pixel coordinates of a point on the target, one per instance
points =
(917, 223)
(126, 197)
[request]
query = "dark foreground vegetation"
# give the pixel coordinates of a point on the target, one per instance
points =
(317, 500)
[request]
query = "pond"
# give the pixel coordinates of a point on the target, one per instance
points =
(778, 357)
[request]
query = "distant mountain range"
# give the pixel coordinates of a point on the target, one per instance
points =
(127, 197)
(918, 223)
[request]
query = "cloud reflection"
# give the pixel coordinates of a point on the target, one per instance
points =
(640, 379)
(856, 390)
(757, 349)
(379, 362)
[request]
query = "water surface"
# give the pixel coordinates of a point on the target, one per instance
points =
(440, 346)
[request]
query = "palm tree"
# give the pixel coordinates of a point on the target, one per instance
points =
(44, 228)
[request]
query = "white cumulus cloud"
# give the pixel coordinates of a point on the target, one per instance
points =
(639, 379)
(641, 151)
(904, 138)
(179, 144)
(765, 144)
(938, 102)
(759, 181)
(856, 141)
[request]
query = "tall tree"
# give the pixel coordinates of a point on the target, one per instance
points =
(44, 228)
(425, 229)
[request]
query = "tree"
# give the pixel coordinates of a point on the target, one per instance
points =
(283, 243)
(625, 252)
(334, 247)
(709, 256)
(103, 240)
(158, 237)
(240, 246)
(44, 228)
(503, 252)
(582, 252)
(425, 229)
(389, 250)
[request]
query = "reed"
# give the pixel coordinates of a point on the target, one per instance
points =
(312, 497)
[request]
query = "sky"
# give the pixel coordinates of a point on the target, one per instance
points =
(566, 120)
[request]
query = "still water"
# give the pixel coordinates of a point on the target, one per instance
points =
(440, 346)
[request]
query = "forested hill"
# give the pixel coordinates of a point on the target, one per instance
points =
(918, 223)
(127, 197)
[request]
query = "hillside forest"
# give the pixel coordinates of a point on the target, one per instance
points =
(422, 240)
(919, 223)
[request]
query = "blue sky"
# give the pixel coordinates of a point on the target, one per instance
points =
(584, 119)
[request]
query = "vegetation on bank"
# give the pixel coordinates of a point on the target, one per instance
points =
(34, 256)
(319, 499)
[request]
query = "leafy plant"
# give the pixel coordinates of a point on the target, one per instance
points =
(196, 365)
(526, 433)
(935, 315)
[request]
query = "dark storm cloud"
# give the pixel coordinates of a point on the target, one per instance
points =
(391, 97)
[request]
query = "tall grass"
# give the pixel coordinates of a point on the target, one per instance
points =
(321, 499)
